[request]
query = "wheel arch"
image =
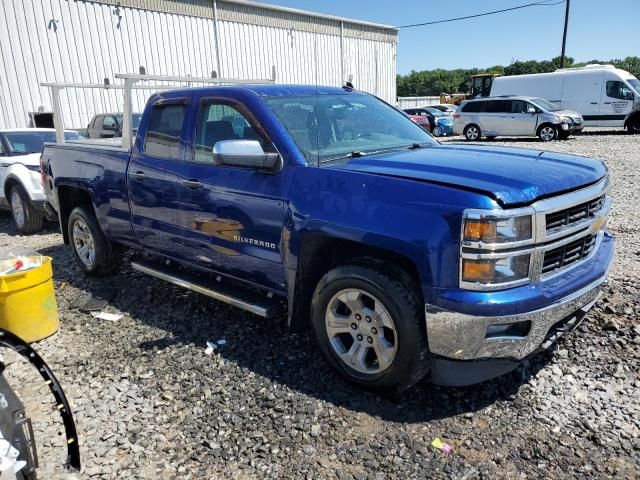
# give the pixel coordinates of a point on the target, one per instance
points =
(70, 197)
(318, 253)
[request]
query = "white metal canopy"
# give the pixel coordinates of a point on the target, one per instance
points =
(129, 84)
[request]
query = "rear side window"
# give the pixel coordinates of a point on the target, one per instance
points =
(473, 107)
(163, 133)
(498, 106)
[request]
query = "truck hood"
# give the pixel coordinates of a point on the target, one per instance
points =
(31, 159)
(512, 176)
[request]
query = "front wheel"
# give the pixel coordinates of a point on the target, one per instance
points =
(369, 324)
(546, 133)
(472, 133)
(25, 215)
(437, 132)
(92, 250)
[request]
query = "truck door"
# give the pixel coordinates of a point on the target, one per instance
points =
(153, 178)
(617, 101)
(232, 217)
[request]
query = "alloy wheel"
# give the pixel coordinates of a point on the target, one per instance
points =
(361, 331)
(17, 209)
(83, 243)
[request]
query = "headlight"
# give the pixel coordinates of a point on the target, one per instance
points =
(566, 120)
(496, 271)
(498, 230)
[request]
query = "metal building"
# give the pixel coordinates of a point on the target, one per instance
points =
(89, 40)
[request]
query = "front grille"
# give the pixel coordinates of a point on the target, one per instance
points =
(572, 215)
(568, 254)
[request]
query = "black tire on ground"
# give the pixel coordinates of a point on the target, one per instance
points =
(633, 125)
(384, 288)
(28, 219)
(472, 132)
(547, 132)
(84, 231)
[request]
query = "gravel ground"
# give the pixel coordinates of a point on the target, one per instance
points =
(149, 403)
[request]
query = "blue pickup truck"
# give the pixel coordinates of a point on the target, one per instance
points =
(403, 256)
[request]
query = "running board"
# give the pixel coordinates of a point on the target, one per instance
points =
(246, 300)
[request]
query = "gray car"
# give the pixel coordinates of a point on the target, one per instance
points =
(515, 116)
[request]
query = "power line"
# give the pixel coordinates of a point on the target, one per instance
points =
(536, 4)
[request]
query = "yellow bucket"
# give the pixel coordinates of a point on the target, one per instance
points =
(28, 303)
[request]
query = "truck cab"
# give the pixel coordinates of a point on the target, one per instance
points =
(402, 256)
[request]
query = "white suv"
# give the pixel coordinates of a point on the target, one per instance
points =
(20, 187)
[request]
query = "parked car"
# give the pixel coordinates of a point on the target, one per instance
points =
(109, 125)
(515, 116)
(421, 120)
(440, 123)
(604, 95)
(403, 256)
(22, 192)
(446, 108)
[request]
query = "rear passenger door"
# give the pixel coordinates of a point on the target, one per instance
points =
(153, 177)
(232, 217)
(494, 119)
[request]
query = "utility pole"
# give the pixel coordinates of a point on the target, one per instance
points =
(564, 35)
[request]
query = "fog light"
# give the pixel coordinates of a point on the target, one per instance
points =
(516, 329)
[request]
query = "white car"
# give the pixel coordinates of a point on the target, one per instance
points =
(21, 190)
(445, 108)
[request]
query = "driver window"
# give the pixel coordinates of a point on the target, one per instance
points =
(617, 89)
(218, 122)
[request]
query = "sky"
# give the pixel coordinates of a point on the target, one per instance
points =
(598, 29)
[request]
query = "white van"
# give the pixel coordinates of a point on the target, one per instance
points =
(605, 96)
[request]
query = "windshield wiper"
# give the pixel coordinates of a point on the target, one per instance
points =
(360, 153)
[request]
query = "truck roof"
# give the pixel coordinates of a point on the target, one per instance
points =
(274, 90)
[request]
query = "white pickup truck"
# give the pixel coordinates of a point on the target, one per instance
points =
(21, 190)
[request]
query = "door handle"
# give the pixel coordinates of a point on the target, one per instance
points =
(192, 184)
(594, 103)
(607, 103)
(139, 175)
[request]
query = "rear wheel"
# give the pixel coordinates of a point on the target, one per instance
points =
(92, 250)
(437, 131)
(472, 132)
(26, 217)
(633, 125)
(546, 133)
(369, 324)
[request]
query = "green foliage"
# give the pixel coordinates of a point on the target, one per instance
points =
(435, 82)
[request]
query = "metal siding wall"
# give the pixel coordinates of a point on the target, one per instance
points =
(416, 102)
(89, 42)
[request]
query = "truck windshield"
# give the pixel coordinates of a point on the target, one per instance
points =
(545, 105)
(330, 127)
(135, 119)
(635, 83)
(23, 143)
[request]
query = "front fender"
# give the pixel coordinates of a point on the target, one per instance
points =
(29, 179)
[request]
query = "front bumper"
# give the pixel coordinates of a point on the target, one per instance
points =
(570, 128)
(468, 348)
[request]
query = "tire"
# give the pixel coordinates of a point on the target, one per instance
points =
(93, 252)
(26, 217)
(547, 132)
(388, 317)
(472, 132)
(633, 126)
(437, 131)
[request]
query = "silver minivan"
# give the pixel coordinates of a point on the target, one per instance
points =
(515, 116)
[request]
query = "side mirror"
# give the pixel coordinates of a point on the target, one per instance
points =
(109, 128)
(244, 153)
(531, 110)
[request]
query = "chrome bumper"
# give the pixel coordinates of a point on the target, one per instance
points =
(463, 337)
